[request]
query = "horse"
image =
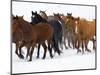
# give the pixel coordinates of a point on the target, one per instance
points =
(33, 35)
(53, 24)
(70, 28)
(21, 32)
(88, 33)
(66, 33)
(56, 25)
(84, 31)
(37, 18)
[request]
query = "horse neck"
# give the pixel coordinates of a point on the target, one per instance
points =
(25, 26)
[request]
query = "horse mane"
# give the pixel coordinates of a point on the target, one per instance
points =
(43, 14)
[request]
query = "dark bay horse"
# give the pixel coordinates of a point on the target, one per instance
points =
(31, 35)
(56, 25)
(57, 35)
(66, 33)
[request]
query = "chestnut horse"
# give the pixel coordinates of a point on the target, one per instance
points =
(84, 31)
(30, 35)
(21, 32)
(87, 30)
(57, 26)
(70, 28)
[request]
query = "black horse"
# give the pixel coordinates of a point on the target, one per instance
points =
(37, 18)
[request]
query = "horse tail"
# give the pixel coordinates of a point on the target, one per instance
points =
(55, 43)
(60, 38)
(59, 33)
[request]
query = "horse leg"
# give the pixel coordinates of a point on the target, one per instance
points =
(20, 51)
(82, 47)
(69, 41)
(28, 51)
(86, 44)
(78, 50)
(50, 49)
(17, 46)
(73, 43)
(57, 48)
(38, 51)
(45, 50)
(31, 52)
(94, 44)
(65, 43)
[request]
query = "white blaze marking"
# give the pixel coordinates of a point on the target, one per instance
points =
(76, 30)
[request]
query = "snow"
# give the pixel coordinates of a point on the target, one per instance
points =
(69, 60)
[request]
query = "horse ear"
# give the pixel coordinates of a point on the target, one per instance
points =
(35, 12)
(22, 16)
(53, 13)
(67, 13)
(78, 18)
(16, 17)
(73, 18)
(32, 13)
(71, 14)
(45, 10)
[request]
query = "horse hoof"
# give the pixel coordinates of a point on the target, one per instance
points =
(51, 56)
(66, 47)
(43, 58)
(82, 53)
(37, 57)
(29, 60)
(78, 51)
(88, 50)
(70, 46)
(21, 56)
(16, 53)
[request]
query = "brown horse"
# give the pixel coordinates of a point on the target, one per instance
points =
(70, 28)
(84, 31)
(30, 35)
(44, 32)
(87, 31)
(20, 32)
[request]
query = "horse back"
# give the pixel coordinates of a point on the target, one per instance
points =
(43, 31)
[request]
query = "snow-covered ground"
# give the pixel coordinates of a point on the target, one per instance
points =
(69, 60)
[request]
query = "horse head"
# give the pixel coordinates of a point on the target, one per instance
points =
(72, 22)
(43, 14)
(69, 14)
(37, 18)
